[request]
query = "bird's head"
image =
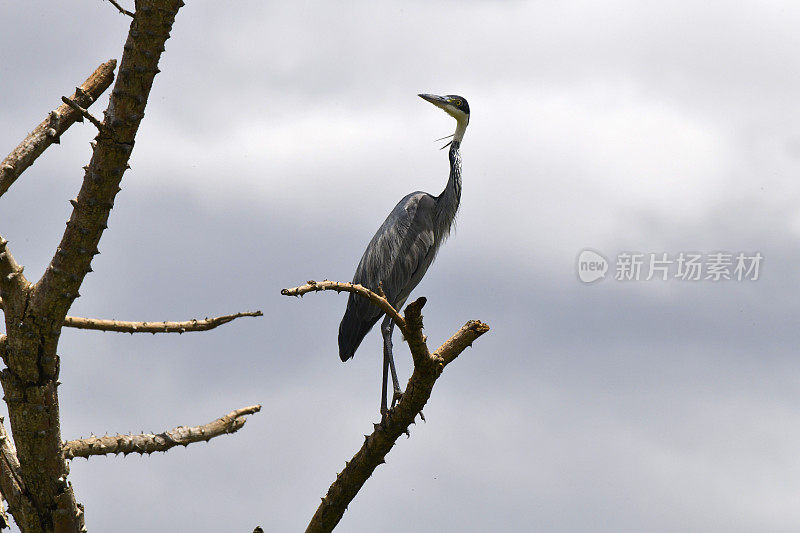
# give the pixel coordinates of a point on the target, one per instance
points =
(455, 106)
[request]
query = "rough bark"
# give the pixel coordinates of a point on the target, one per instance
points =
(377, 299)
(11, 484)
(185, 326)
(124, 326)
(427, 369)
(161, 442)
(34, 314)
(56, 123)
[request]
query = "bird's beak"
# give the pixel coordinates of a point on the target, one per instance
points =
(438, 101)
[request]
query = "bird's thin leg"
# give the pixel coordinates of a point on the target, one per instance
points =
(385, 379)
(387, 328)
(387, 358)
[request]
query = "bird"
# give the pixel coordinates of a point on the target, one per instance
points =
(402, 249)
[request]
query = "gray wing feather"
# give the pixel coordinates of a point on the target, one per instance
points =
(397, 256)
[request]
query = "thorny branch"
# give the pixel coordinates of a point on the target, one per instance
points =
(57, 122)
(33, 467)
(161, 442)
(154, 327)
(122, 326)
(35, 314)
(121, 9)
(13, 489)
(12, 282)
(338, 286)
(427, 369)
(83, 112)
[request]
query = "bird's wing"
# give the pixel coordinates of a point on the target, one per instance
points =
(397, 258)
(401, 250)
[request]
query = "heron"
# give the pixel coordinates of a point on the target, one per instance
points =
(402, 249)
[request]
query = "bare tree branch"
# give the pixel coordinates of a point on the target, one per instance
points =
(122, 326)
(154, 327)
(459, 342)
(49, 131)
(338, 286)
(13, 285)
(121, 9)
(84, 113)
(31, 378)
(11, 483)
(377, 445)
(427, 369)
(150, 28)
(149, 443)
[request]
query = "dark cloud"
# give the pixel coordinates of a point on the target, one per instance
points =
(276, 140)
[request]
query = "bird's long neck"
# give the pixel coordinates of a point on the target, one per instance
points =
(448, 201)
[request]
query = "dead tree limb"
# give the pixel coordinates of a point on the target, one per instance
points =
(122, 326)
(149, 443)
(34, 315)
(338, 286)
(121, 9)
(57, 122)
(11, 483)
(13, 284)
(427, 369)
(154, 327)
(83, 112)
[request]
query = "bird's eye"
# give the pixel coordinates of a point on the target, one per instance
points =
(457, 103)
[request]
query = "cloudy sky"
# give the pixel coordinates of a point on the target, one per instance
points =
(276, 140)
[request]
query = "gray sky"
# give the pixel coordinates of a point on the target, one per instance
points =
(276, 140)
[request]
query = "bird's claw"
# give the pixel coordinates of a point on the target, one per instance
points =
(398, 395)
(385, 419)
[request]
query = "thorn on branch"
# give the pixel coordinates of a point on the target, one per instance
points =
(53, 135)
(376, 299)
(155, 327)
(161, 442)
(427, 369)
(121, 9)
(99, 125)
(50, 130)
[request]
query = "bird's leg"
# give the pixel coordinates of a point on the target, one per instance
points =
(387, 328)
(385, 379)
(387, 355)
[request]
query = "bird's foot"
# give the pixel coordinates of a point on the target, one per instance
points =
(398, 395)
(384, 419)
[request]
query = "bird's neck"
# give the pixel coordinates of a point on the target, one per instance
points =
(461, 128)
(451, 195)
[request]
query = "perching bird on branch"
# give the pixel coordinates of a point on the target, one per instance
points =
(403, 248)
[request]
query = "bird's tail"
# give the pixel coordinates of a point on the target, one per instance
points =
(352, 331)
